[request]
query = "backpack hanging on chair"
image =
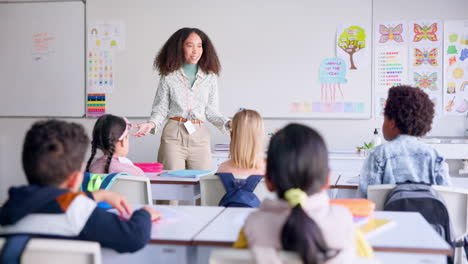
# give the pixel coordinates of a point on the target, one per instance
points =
(239, 192)
(94, 181)
(422, 198)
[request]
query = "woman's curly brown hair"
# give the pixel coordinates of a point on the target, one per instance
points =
(411, 109)
(171, 56)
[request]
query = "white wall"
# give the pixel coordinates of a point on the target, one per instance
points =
(339, 134)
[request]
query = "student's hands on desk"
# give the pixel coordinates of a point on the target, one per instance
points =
(116, 200)
(155, 215)
(143, 129)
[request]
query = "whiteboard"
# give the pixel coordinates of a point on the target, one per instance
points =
(270, 51)
(42, 59)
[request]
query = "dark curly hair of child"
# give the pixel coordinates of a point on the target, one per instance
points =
(411, 109)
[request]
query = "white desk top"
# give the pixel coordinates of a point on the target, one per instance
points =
(410, 233)
(180, 224)
(225, 228)
(352, 182)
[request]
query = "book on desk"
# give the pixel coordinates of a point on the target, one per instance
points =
(187, 173)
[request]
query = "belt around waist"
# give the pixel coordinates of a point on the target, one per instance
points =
(185, 120)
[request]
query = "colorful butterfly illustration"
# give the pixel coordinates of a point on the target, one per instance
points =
(425, 57)
(426, 81)
(425, 32)
(390, 33)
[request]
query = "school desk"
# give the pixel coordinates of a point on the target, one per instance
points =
(410, 234)
(340, 163)
(347, 186)
(171, 237)
(175, 188)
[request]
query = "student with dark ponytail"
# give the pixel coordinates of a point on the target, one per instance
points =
(111, 136)
(302, 219)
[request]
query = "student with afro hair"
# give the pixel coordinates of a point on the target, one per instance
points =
(408, 115)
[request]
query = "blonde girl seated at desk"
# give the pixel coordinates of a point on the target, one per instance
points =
(246, 147)
(111, 136)
(302, 219)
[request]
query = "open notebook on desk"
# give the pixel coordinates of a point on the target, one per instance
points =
(187, 173)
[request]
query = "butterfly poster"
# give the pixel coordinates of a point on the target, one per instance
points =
(455, 51)
(426, 31)
(425, 56)
(391, 32)
(380, 101)
(430, 81)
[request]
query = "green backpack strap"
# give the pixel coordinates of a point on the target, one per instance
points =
(93, 181)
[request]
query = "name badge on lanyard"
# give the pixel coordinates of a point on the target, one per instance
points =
(188, 124)
(190, 127)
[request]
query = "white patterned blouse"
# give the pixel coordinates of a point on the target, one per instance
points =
(175, 98)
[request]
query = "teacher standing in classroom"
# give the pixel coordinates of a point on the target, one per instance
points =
(187, 96)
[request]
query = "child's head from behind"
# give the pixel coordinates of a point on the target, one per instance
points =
(297, 158)
(52, 151)
(297, 166)
(247, 136)
(408, 111)
(110, 134)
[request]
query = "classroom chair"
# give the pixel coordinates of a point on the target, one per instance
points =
(212, 190)
(59, 251)
(137, 189)
(456, 201)
(244, 256)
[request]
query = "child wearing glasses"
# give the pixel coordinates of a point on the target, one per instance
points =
(111, 136)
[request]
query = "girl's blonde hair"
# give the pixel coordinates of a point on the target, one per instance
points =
(247, 135)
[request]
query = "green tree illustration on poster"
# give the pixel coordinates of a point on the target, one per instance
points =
(352, 40)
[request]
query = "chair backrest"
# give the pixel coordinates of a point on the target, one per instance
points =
(244, 256)
(378, 194)
(137, 189)
(212, 190)
(456, 201)
(59, 251)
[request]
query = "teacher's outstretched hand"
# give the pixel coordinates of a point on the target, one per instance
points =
(187, 97)
(143, 129)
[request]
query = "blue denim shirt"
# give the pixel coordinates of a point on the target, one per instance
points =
(405, 158)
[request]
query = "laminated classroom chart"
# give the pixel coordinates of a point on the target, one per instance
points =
(95, 105)
(391, 68)
(426, 59)
(352, 46)
(334, 97)
(107, 35)
(455, 67)
(100, 70)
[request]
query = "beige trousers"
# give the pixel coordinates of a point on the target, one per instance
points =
(179, 150)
